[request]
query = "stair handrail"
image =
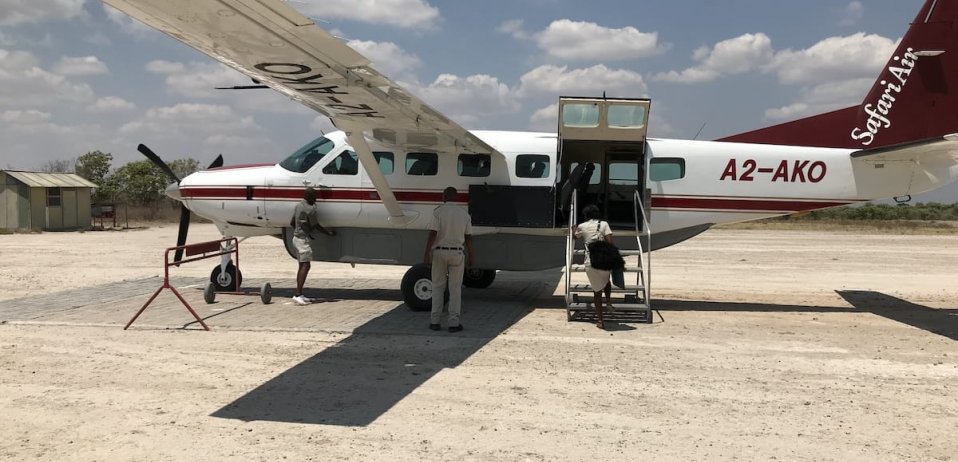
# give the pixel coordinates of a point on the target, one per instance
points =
(570, 247)
(645, 267)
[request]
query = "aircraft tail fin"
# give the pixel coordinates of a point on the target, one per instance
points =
(915, 97)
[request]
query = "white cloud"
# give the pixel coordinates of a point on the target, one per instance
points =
(823, 98)
(30, 116)
(218, 127)
(127, 24)
(160, 66)
(834, 58)
(467, 99)
(728, 57)
(852, 14)
(191, 117)
(80, 66)
(399, 13)
(835, 73)
(576, 40)
(13, 12)
(545, 119)
(514, 28)
(387, 57)
(196, 80)
(199, 81)
(554, 81)
(111, 104)
(24, 83)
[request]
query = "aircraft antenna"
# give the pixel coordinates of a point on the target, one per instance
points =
(700, 130)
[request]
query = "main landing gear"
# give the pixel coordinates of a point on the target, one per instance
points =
(229, 280)
(478, 278)
(417, 285)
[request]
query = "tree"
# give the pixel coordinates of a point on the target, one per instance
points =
(58, 166)
(139, 183)
(95, 166)
(184, 167)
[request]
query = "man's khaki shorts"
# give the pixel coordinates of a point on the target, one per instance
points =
(303, 251)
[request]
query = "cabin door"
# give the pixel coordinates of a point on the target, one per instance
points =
(602, 156)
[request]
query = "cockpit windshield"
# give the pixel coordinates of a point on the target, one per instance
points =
(307, 156)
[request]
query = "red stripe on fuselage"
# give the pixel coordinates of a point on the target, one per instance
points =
(741, 204)
(353, 195)
(338, 194)
(231, 167)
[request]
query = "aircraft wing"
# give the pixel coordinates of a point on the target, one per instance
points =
(273, 43)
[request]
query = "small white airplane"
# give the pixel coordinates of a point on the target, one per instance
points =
(381, 176)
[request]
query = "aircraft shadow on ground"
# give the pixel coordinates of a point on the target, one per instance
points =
(363, 376)
(942, 321)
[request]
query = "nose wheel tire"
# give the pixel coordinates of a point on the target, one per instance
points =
(226, 281)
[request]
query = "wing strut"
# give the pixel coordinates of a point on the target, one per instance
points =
(358, 141)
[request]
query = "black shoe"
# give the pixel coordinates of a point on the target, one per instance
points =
(434, 327)
(454, 329)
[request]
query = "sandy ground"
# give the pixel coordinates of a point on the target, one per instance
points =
(768, 346)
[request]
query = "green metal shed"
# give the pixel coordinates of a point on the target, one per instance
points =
(47, 201)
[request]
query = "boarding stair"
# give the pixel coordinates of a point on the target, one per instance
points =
(631, 303)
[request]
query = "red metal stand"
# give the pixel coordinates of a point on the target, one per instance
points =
(193, 252)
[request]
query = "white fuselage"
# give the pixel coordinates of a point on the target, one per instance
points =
(722, 183)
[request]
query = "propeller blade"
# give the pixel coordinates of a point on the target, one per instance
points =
(158, 162)
(218, 162)
(181, 235)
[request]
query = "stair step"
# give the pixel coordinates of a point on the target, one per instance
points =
(618, 307)
(624, 253)
(627, 269)
(587, 288)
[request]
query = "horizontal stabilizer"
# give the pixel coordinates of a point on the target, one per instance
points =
(943, 149)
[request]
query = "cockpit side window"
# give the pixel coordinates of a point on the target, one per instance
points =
(345, 164)
(307, 156)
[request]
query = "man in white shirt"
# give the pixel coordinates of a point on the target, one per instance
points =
(451, 233)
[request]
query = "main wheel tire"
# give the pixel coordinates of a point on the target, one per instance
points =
(416, 288)
(478, 278)
(230, 281)
(209, 294)
(266, 293)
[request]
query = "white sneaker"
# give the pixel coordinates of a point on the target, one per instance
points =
(308, 300)
(300, 300)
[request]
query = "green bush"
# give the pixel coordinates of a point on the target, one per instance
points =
(931, 211)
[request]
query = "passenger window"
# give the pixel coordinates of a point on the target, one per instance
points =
(532, 166)
(344, 164)
(386, 161)
(474, 165)
(665, 169)
(422, 163)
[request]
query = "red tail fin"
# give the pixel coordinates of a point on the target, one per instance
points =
(911, 100)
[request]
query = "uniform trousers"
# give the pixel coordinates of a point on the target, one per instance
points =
(448, 266)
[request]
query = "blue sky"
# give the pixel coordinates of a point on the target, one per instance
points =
(77, 76)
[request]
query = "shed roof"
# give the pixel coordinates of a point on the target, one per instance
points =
(51, 180)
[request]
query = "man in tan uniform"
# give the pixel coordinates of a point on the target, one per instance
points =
(451, 232)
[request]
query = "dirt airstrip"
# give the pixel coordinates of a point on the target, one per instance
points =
(784, 345)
